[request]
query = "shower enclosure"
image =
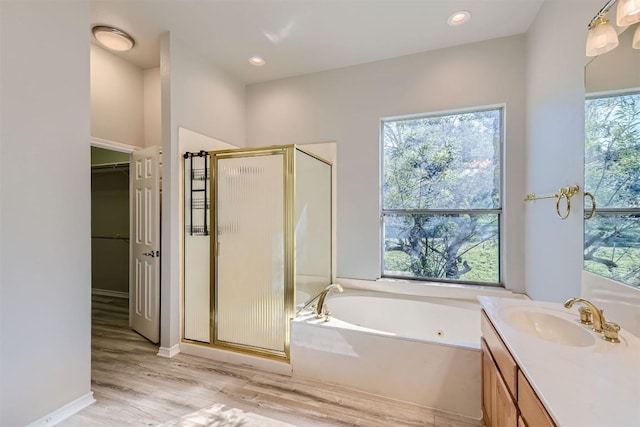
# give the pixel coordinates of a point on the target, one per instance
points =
(269, 211)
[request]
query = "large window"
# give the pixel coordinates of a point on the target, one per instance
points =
(612, 175)
(441, 201)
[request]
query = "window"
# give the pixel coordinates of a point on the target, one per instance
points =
(612, 175)
(441, 202)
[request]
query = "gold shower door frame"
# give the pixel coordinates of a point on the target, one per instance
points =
(288, 152)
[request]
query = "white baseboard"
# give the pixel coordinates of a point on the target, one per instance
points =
(64, 412)
(108, 293)
(169, 352)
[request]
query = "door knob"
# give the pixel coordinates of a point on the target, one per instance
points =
(152, 254)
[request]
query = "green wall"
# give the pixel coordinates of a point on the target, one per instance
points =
(101, 156)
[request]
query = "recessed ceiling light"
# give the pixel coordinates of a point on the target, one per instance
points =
(113, 38)
(257, 61)
(459, 18)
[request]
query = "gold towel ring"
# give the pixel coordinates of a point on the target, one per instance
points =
(593, 205)
(563, 195)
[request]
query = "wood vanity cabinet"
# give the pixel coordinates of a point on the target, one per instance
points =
(507, 397)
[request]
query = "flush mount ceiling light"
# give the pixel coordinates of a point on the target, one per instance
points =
(628, 12)
(113, 38)
(257, 61)
(459, 18)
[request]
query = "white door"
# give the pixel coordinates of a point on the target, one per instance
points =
(144, 288)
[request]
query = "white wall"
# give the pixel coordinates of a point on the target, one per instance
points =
(199, 96)
(555, 145)
(346, 105)
(45, 229)
(117, 99)
(152, 108)
(196, 249)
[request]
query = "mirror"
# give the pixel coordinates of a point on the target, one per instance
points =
(612, 162)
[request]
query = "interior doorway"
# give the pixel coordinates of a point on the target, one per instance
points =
(125, 232)
(110, 245)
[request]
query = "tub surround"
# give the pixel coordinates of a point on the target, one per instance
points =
(590, 385)
(439, 372)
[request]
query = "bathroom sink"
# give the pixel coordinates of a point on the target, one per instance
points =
(547, 326)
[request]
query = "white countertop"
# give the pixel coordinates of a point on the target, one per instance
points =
(592, 386)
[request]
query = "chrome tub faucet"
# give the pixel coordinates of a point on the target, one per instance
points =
(320, 308)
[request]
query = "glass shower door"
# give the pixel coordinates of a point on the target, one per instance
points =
(250, 252)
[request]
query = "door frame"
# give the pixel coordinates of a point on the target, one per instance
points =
(113, 145)
(122, 148)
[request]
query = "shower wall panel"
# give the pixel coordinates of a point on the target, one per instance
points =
(312, 225)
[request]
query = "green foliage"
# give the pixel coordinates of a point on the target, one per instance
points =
(612, 150)
(446, 162)
(483, 258)
(612, 175)
(442, 163)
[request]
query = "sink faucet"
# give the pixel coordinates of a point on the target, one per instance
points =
(319, 308)
(596, 314)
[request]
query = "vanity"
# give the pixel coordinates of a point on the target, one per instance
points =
(541, 367)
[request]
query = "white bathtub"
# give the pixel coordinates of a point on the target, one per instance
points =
(415, 349)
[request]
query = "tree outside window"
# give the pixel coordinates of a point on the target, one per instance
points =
(612, 175)
(441, 203)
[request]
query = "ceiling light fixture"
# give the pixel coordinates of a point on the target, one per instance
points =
(113, 38)
(628, 12)
(459, 18)
(602, 37)
(257, 61)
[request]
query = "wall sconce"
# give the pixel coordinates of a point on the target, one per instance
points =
(602, 37)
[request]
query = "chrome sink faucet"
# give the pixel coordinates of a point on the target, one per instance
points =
(596, 313)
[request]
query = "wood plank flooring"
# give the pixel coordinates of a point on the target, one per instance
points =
(134, 387)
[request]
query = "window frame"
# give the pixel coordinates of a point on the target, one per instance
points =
(499, 211)
(605, 212)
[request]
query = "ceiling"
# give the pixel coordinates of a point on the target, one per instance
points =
(303, 36)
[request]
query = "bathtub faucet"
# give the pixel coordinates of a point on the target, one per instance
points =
(320, 308)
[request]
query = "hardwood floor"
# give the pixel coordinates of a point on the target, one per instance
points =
(134, 387)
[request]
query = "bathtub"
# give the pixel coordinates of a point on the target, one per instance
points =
(415, 349)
